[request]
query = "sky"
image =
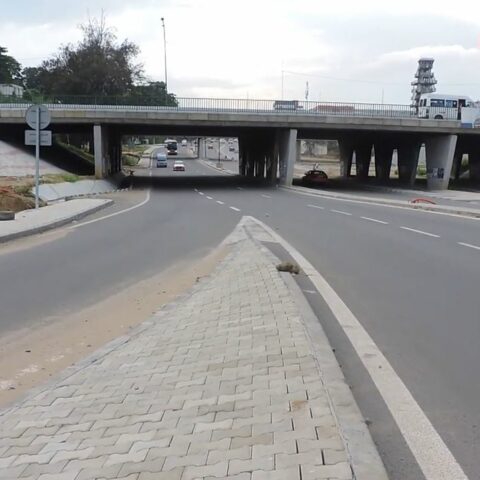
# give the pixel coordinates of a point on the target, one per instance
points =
(347, 50)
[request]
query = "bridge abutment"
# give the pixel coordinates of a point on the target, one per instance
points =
(107, 150)
(363, 155)
(440, 151)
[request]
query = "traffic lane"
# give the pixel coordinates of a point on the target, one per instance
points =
(193, 168)
(463, 231)
(419, 215)
(97, 260)
(417, 298)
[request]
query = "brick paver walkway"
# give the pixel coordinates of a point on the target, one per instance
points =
(222, 384)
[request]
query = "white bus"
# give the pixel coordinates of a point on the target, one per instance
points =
(442, 107)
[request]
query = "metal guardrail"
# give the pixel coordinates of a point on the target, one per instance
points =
(220, 105)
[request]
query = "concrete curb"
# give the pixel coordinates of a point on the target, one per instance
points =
(447, 210)
(55, 224)
(226, 172)
(365, 459)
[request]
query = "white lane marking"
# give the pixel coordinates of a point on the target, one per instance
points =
(129, 209)
(469, 245)
(266, 196)
(210, 198)
(436, 461)
(239, 188)
(196, 190)
(377, 204)
(316, 206)
(421, 232)
(201, 193)
(374, 220)
(235, 208)
(341, 212)
(220, 202)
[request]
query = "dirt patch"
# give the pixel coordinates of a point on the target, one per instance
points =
(13, 201)
(28, 358)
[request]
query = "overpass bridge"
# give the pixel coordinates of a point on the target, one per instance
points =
(268, 132)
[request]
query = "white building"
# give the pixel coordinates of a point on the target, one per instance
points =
(10, 90)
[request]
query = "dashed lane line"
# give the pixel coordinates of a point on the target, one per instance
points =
(235, 209)
(266, 196)
(374, 220)
(220, 202)
(421, 232)
(469, 245)
(316, 206)
(209, 198)
(341, 212)
(201, 193)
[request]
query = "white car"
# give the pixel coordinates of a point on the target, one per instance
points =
(178, 166)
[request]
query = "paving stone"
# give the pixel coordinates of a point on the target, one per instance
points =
(221, 384)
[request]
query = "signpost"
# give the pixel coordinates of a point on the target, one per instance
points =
(38, 117)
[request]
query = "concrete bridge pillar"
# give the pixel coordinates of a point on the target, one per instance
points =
(474, 165)
(271, 159)
(100, 150)
(457, 163)
(345, 146)
(408, 151)
(383, 159)
(287, 143)
(201, 148)
(439, 155)
(363, 155)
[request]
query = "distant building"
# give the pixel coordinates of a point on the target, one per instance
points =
(424, 80)
(10, 90)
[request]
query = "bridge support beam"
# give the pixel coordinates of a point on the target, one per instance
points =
(100, 150)
(439, 155)
(345, 146)
(201, 148)
(408, 152)
(363, 155)
(383, 160)
(287, 145)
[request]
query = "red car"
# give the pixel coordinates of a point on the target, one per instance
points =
(314, 177)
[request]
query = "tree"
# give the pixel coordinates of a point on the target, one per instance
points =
(10, 69)
(152, 93)
(97, 66)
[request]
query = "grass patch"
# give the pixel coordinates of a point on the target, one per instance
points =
(61, 177)
(129, 159)
(77, 151)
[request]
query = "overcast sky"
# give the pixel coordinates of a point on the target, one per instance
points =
(347, 50)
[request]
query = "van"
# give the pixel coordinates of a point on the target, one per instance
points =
(161, 160)
(442, 107)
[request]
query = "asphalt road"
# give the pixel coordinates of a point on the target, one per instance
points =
(410, 277)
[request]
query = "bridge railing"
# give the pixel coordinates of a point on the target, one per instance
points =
(220, 105)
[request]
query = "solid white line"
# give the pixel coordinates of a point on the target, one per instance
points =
(220, 203)
(341, 212)
(129, 209)
(235, 208)
(210, 198)
(469, 245)
(420, 231)
(374, 220)
(430, 451)
(316, 206)
(266, 196)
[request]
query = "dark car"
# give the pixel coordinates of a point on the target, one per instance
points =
(314, 177)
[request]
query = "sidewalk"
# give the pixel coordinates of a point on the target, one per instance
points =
(223, 383)
(30, 222)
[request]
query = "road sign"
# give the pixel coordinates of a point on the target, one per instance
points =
(32, 115)
(45, 137)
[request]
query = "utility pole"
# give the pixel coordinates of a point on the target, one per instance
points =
(165, 54)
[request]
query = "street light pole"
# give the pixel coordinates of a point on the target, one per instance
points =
(165, 54)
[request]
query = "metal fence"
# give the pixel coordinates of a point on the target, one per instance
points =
(217, 105)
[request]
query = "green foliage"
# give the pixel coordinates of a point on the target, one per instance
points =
(97, 65)
(10, 69)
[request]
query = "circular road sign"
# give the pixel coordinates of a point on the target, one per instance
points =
(31, 116)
